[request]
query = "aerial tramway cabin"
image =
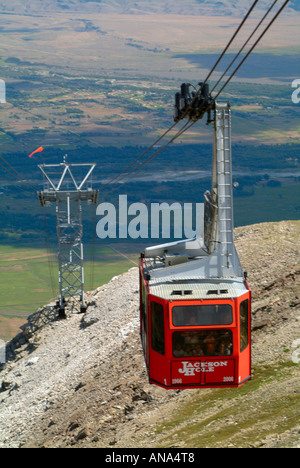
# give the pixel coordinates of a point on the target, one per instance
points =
(195, 333)
(195, 301)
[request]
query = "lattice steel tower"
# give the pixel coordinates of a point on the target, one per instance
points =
(68, 185)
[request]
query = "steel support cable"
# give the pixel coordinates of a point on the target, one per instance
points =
(244, 45)
(9, 172)
(18, 176)
(140, 156)
(13, 183)
(191, 104)
(222, 55)
(186, 127)
(230, 78)
(245, 58)
(252, 48)
(10, 182)
(150, 158)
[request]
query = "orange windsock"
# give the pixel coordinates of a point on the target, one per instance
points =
(39, 150)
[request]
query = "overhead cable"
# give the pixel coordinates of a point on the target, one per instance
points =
(186, 127)
(244, 45)
(18, 176)
(252, 48)
(118, 176)
(10, 182)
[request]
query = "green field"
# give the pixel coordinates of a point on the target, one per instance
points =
(29, 280)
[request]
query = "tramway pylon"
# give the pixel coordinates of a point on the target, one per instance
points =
(68, 186)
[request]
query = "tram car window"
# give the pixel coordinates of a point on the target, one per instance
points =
(244, 321)
(203, 343)
(200, 315)
(157, 328)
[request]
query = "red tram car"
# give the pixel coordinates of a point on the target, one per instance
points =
(195, 301)
(196, 335)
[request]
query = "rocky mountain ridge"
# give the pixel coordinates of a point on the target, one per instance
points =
(82, 382)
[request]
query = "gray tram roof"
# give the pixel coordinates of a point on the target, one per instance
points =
(190, 287)
(200, 290)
